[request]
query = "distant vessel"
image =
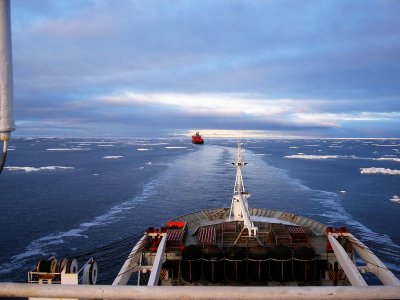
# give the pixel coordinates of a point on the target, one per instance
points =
(197, 139)
(395, 199)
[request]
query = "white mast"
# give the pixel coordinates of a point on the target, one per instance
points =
(240, 208)
(6, 81)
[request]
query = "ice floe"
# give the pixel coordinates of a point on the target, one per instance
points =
(374, 170)
(34, 169)
(389, 145)
(143, 149)
(388, 158)
(112, 156)
(304, 156)
(175, 147)
(68, 149)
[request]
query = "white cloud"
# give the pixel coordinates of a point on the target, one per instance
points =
(291, 111)
(333, 118)
(225, 104)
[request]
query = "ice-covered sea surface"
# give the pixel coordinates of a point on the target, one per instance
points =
(94, 197)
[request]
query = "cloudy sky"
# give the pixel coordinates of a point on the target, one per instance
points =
(273, 68)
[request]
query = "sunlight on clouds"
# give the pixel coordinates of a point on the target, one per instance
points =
(286, 112)
(332, 119)
(223, 104)
(238, 134)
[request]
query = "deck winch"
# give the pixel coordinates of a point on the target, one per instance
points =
(63, 271)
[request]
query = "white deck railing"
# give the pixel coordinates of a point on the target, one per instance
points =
(195, 292)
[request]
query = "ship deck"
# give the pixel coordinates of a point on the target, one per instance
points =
(212, 229)
(273, 225)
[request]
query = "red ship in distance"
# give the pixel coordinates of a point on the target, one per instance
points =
(197, 139)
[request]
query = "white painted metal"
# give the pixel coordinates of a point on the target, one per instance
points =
(155, 271)
(69, 278)
(196, 292)
(346, 263)
(240, 207)
(374, 264)
(130, 264)
(6, 81)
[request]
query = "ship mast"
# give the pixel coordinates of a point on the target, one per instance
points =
(240, 207)
(6, 79)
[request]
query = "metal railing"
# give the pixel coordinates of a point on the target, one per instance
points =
(196, 292)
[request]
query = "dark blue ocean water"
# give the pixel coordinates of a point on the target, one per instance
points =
(94, 197)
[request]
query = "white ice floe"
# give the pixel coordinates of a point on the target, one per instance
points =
(175, 147)
(304, 156)
(112, 156)
(395, 198)
(389, 145)
(293, 147)
(343, 192)
(106, 145)
(142, 149)
(396, 159)
(68, 149)
(148, 163)
(34, 169)
(379, 170)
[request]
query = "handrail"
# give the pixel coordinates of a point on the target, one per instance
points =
(196, 292)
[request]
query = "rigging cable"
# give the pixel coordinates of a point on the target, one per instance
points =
(125, 242)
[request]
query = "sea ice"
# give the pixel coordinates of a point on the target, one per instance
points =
(379, 170)
(34, 169)
(304, 156)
